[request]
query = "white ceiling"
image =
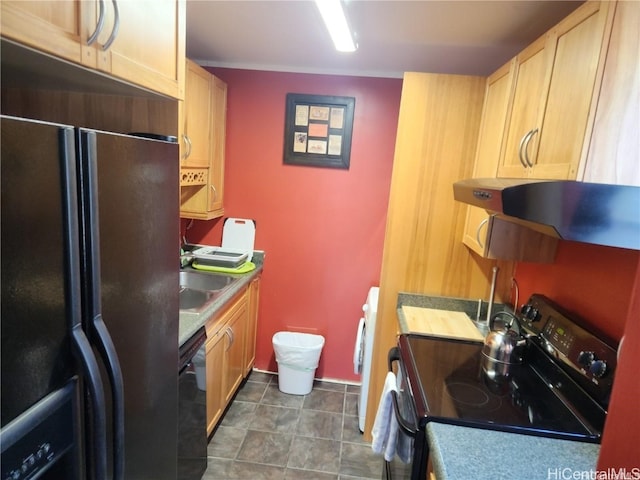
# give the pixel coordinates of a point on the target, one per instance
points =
(394, 36)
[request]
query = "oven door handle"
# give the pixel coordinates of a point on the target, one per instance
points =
(406, 427)
(393, 356)
(402, 423)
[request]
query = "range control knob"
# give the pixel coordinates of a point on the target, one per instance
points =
(598, 368)
(533, 314)
(525, 309)
(585, 359)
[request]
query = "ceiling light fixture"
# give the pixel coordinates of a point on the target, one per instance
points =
(336, 21)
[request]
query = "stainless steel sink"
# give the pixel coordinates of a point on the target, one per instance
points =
(193, 299)
(198, 289)
(204, 281)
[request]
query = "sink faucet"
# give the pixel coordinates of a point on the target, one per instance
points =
(186, 258)
(493, 293)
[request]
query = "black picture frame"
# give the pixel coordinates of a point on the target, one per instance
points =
(318, 130)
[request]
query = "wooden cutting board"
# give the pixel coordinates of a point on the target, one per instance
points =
(440, 323)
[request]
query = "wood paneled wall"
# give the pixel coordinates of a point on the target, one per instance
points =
(423, 251)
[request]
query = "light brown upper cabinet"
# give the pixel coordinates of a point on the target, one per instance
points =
(494, 114)
(613, 154)
(195, 138)
(488, 235)
(218, 138)
(202, 147)
(59, 28)
(141, 42)
(532, 67)
(552, 97)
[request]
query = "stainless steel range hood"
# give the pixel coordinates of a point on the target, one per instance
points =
(583, 212)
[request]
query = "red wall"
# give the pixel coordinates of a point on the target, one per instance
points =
(322, 229)
(601, 285)
(591, 281)
(621, 439)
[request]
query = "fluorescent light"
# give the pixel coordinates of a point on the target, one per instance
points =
(337, 24)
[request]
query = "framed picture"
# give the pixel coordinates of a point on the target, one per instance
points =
(318, 130)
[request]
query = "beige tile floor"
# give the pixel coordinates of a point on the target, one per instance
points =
(266, 434)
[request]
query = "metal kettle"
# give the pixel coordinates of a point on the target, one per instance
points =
(503, 346)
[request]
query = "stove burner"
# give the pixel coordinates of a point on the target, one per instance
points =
(467, 394)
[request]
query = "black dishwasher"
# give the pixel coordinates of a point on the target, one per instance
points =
(192, 414)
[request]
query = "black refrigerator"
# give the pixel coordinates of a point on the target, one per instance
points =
(89, 324)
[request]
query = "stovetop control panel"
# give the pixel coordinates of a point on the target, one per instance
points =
(586, 355)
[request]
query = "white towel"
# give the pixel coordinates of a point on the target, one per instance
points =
(385, 426)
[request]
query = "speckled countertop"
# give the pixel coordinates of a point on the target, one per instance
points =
(462, 452)
(190, 322)
(465, 452)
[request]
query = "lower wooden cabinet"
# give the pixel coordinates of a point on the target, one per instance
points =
(234, 331)
(252, 326)
(230, 350)
(214, 359)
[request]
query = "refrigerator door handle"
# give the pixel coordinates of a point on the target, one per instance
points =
(97, 440)
(97, 330)
(109, 356)
(97, 444)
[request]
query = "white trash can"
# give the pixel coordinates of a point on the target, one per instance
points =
(297, 355)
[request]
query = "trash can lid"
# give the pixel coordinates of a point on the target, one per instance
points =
(300, 340)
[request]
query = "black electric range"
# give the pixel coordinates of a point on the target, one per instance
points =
(561, 390)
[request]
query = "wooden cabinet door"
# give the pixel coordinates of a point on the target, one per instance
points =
(218, 139)
(214, 364)
(613, 155)
(203, 143)
(59, 28)
(577, 41)
(533, 68)
(252, 326)
(148, 47)
(195, 145)
(490, 144)
(234, 347)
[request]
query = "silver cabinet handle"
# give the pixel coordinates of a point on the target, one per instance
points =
(187, 141)
(480, 225)
(116, 26)
(526, 146)
(520, 147)
(99, 25)
(229, 334)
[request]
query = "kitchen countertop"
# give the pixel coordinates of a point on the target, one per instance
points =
(470, 307)
(462, 452)
(190, 322)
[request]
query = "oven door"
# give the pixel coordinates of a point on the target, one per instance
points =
(404, 411)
